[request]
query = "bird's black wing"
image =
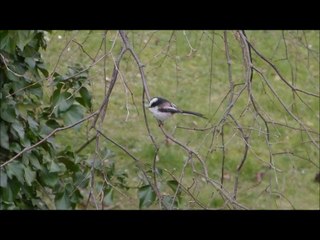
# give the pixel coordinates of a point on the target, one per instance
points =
(169, 110)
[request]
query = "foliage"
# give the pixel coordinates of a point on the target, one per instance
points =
(46, 176)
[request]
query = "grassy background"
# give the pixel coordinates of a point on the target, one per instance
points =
(198, 81)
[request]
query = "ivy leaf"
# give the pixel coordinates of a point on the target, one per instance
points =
(15, 147)
(62, 201)
(8, 44)
(146, 196)
(8, 113)
(19, 129)
(16, 169)
(24, 37)
(55, 96)
(168, 202)
(86, 96)
(34, 161)
(62, 101)
(4, 138)
(173, 184)
(75, 198)
(50, 179)
(65, 101)
(74, 114)
(25, 141)
(36, 90)
(32, 124)
(108, 196)
(10, 193)
(30, 61)
(29, 175)
(3, 179)
(54, 167)
(53, 124)
(43, 69)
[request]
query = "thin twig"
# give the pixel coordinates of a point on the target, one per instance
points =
(85, 144)
(280, 75)
(104, 105)
(47, 137)
(223, 156)
(83, 50)
(246, 148)
(187, 149)
(59, 58)
(138, 162)
(286, 108)
(5, 64)
(186, 190)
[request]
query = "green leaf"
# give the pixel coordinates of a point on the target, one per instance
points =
(25, 141)
(68, 163)
(29, 175)
(43, 69)
(108, 196)
(36, 90)
(86, 96)
(54, 167)
(65, 101)
(23, 109)
(168, 202)
(12, 76)
(75, 198)
(4, 138)
(9, 193)
(53, 124)
(62, 201)
(32, 124)
(34, 161)
(15, 147)
(55, 97)
(50, 179)
(30, 61)
(16, 169)
(173, 184)
(62, 101)
(3, 179)
(24, 37)
(8, 113)
(74, 114)
(19, 129)
(146, 196)
(7, 43)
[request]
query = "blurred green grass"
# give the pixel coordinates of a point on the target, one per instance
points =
(184, 77)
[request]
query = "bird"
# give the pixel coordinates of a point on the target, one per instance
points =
(162, 109)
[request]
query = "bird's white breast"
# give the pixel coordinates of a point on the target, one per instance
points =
(160, 115)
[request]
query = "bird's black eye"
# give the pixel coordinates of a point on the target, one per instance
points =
(153, 104)
(156, 102)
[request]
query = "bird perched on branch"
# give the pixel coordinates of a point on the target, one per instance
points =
(162, 109)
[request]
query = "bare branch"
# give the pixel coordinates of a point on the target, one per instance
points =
(280, 75)
(187, 149)
(186, 190)
(104, 105)
(286, 108)
(138, 162)
(246, 148)
(83, 50)
(5, 64)
(85, 144)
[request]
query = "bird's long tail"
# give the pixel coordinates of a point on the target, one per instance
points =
(194, 113)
